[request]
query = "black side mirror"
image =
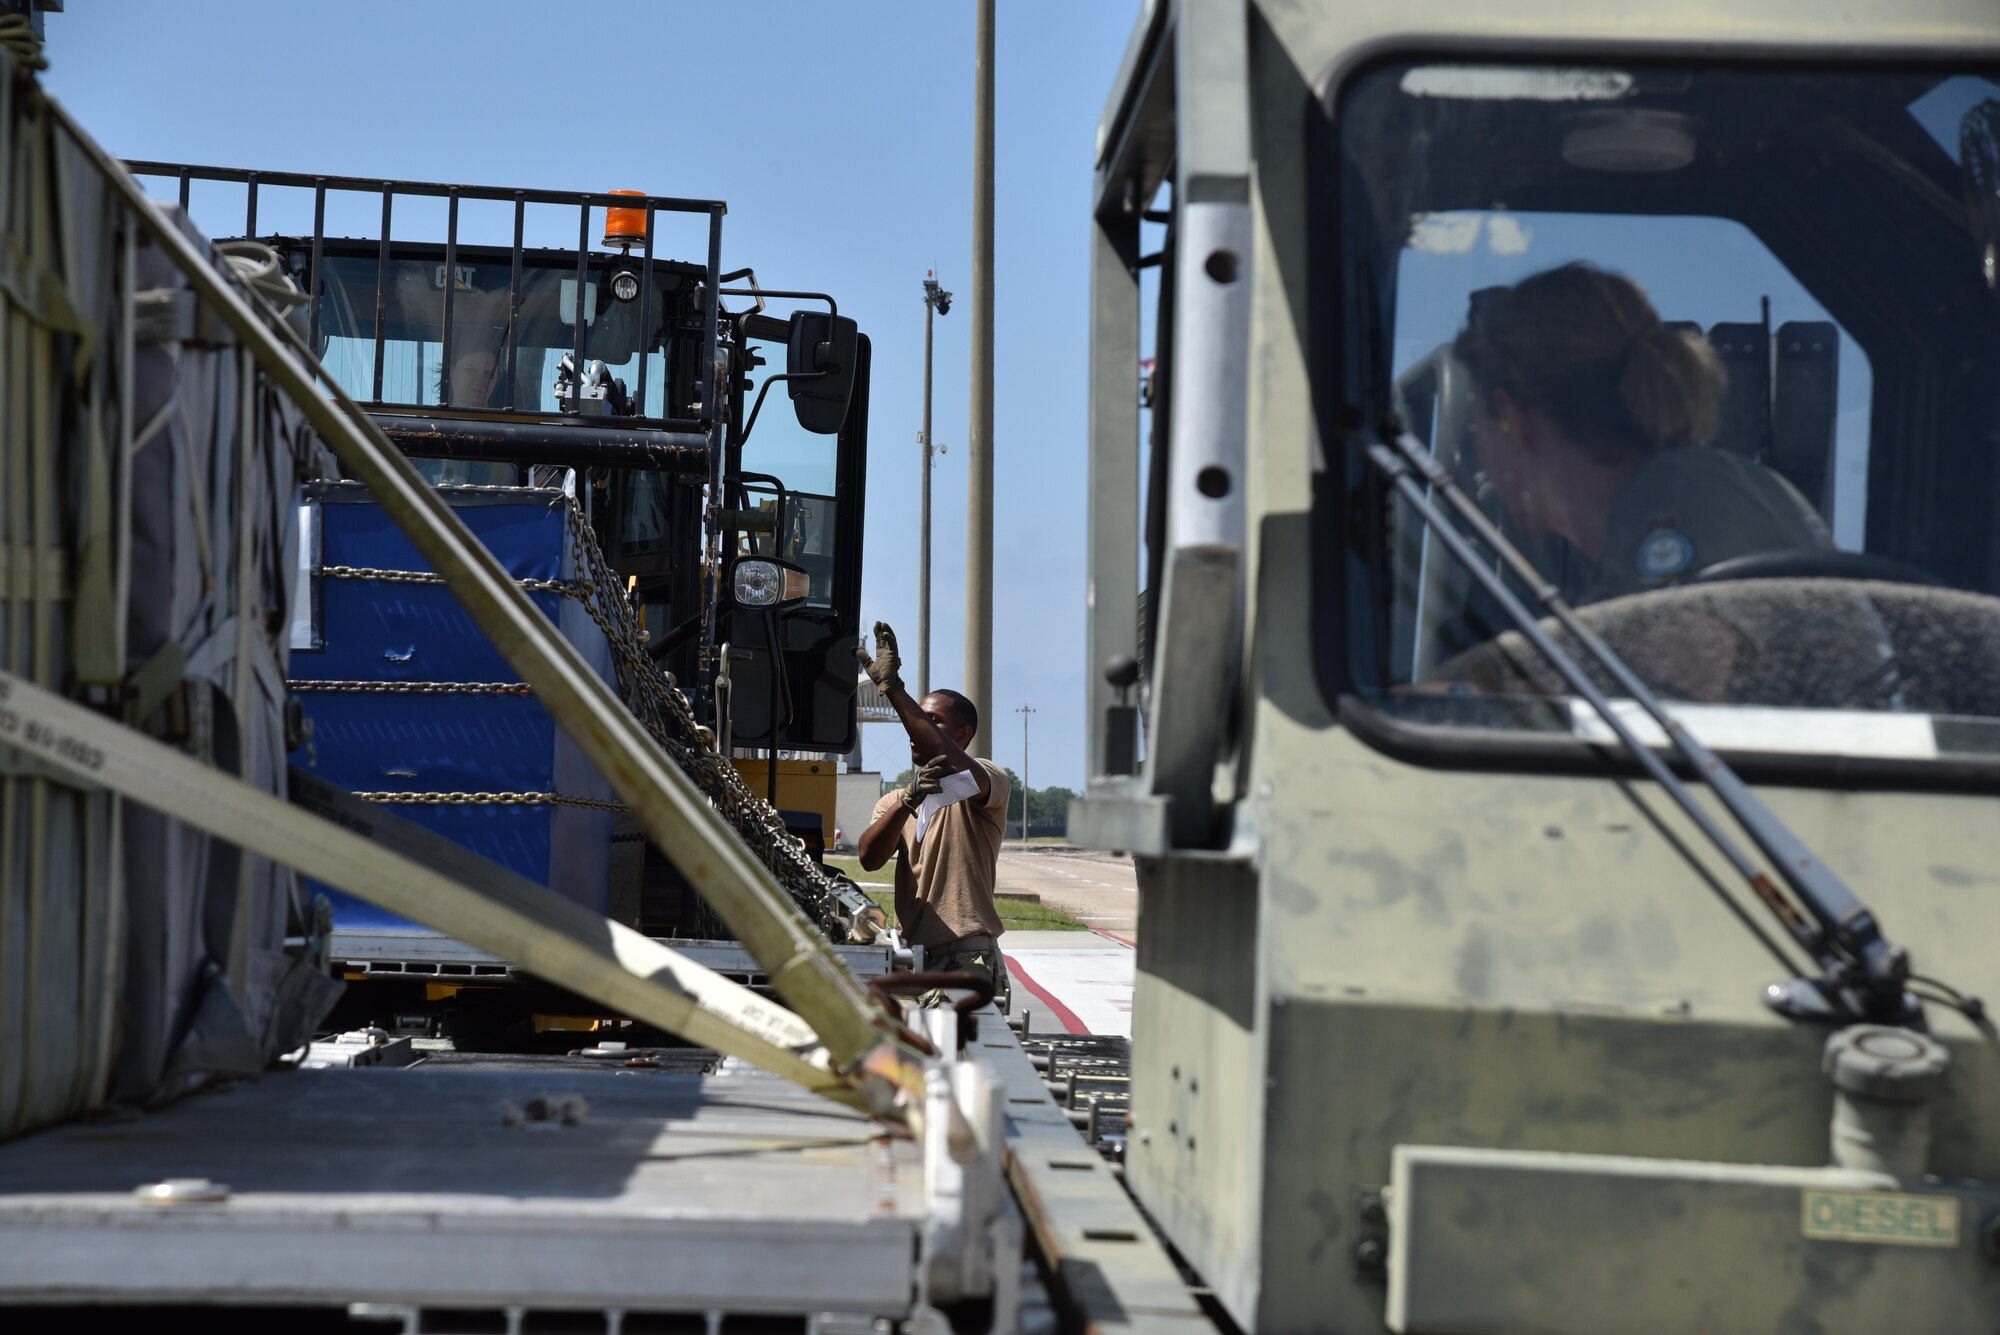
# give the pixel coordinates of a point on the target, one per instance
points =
(763, 583)
(821, 353)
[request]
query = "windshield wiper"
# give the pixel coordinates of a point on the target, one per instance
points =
(1865, 976)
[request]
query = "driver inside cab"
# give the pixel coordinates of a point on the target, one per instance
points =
(1593, 417)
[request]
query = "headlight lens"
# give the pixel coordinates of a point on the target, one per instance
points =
(767, 584)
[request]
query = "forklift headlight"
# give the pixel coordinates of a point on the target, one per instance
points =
(761, 582)
(625, 285)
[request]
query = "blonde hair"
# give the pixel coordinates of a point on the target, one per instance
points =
(1587, 349)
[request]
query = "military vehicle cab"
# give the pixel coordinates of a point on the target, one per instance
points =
(1565, 887)
(597, 414)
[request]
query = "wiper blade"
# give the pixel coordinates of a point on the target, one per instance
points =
(1866, 975)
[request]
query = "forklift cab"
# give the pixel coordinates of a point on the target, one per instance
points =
(496, 365)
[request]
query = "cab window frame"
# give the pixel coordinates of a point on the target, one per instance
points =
(1348, 501)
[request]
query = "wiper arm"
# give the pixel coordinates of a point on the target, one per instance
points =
(1866, 976)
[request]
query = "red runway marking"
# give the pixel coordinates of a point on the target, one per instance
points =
(1041, 994)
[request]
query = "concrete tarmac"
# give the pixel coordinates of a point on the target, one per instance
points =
(1099, 888)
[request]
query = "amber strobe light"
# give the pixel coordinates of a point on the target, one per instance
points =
(625, 227)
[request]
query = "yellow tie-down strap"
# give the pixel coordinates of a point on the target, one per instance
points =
(554, 938)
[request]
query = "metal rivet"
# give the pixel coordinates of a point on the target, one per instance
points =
(182, 1191)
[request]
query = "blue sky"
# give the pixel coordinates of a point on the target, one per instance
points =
(841, 137)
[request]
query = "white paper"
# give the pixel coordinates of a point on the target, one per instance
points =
(955, 788)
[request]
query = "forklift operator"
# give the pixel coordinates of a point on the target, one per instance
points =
(1593, 419)
(947, 825)
(469, 382)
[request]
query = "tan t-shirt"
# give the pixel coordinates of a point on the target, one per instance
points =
(944, 886)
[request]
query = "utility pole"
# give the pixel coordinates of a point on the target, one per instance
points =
(979, 475)
(937, 301)
(1024, 711)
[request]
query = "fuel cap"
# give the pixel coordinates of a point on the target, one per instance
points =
(1885, 1063)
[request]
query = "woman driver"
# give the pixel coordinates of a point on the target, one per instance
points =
(1593, 419)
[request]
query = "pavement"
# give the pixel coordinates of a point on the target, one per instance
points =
(1076, 982)
(1099, 888)
(1071, 982)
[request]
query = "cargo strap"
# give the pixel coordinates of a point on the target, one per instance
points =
(366, 852)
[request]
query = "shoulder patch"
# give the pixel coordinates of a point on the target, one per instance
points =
(1664, 553)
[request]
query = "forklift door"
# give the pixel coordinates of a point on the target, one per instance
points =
(807, 492)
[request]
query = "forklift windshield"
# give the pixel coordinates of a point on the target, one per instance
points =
(491, 370)
(1717, 349)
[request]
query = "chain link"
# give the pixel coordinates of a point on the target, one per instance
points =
(829, 898)
(571, 588)
(488, 800)
(414, 687)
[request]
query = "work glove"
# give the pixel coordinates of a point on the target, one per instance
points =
(884, 668)
(927, 779)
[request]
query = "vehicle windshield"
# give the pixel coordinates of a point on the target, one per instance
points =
(413, 369)
(1720, 350)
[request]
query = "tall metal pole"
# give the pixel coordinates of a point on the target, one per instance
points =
(937, 302)
(979, 475)
(924, 520)
(924, 512)
(1024, 711)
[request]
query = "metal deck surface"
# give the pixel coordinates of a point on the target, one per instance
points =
(414, 953)
(410, 1186)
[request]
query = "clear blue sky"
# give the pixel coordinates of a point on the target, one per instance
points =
(840, 135)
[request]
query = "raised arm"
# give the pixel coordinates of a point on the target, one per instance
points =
(930, 733)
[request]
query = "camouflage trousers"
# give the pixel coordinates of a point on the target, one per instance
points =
(947, 959)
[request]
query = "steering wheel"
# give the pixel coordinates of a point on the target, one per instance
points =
(1815, 563)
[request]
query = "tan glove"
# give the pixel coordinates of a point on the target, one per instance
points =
(884, 669)
(928, 779)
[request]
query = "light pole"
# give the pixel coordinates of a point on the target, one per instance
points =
(978, 680)
(937, 301)
(1024, 711)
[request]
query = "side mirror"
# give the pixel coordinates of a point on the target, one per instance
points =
(821, 351)
(764, 584)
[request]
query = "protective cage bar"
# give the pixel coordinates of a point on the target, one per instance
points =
(185, 174)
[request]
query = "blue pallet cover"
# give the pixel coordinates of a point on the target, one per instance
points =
(378, 630)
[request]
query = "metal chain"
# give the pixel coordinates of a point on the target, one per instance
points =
(414, 687)
(572, 588)
(829, 898)
(488, 800)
